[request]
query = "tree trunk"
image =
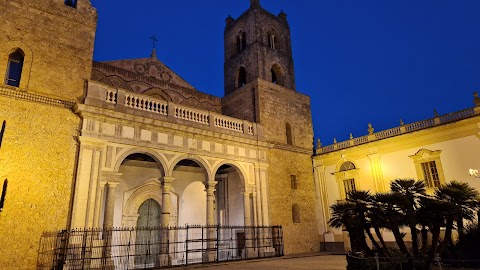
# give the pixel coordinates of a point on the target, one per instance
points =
(424, 239)
(374, 242)
(382, 241)
(400, 242)
(448, 236)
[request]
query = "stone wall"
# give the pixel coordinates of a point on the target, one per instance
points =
(298, 237)
(38, 158)
(57, 41)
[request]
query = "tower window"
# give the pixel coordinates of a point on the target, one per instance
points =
(242, 77)
(271, 40)
(14, 68)
(71, 3)
(241, 42)
(277, 75)
(295, 213)
(288, 131)
(293, 182)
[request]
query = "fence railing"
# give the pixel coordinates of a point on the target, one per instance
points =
(149, 248)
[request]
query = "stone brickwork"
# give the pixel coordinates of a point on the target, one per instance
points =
(299, 237)
(149, 76)
(258, 57)
(57, 41)
(38, 158)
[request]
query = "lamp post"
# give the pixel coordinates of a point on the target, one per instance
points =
(473, 172)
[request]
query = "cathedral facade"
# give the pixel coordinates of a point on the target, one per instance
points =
(129, 143)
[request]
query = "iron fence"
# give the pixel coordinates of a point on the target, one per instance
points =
(150, 248)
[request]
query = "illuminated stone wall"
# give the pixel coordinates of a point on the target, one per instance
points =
(57, 41)
(38, 158)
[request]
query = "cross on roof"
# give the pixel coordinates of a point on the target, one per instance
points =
(154, 40)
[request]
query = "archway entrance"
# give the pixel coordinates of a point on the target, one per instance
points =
(147, 243)
(229, 196)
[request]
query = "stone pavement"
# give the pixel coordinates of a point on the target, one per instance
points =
(320, 261)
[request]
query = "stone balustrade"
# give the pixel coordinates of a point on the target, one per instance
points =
(419, 125)
(111, 98)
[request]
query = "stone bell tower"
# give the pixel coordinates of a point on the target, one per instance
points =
(260, 87)
(257, 45)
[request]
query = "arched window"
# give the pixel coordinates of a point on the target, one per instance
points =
(277, 75)
(271, 40)
(347, 166)
(14, 68)
(295, 213)
(71, 3)
(288, 131)
(241, 42)
(242, 77)
(347, 180)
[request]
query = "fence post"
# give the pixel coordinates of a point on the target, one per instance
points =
(377, 261)
(186, 247)
(218, 242)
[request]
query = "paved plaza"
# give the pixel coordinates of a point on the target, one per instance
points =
(307, 261)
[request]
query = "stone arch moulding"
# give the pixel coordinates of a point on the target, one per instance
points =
(238, 168)
(132, 202)
(13, 46)
(160, 158)
(199, 160)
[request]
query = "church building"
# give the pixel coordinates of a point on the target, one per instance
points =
(129, 143)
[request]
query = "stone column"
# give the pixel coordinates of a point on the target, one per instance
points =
(247, 208)
(211, 235)
(165, 259)
(210, 189)
(109, 204)
(166, 200)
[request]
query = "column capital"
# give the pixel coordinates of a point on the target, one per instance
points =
(210, 186)
(112, 184)
(167, 180)
(111, 176)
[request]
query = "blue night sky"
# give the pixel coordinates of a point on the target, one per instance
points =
(360, 61)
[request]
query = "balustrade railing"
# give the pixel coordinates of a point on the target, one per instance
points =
(149, 104)
(427, 123)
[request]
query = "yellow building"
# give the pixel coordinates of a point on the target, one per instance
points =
(436, 150)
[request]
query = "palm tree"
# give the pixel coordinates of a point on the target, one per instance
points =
(345, 216)
(362, 201)
(431, 215)
(463, 202)
(412, 190)
(394, 216)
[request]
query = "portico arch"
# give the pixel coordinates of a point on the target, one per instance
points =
(159, 158)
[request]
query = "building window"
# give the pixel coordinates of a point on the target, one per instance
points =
(346, 166)
(242, 77)
(293, 182)
(288, 133)
(241, 42)
(348, 186)
(428, 166)
(295, 213)
(430, 174)
(277, 75)
(271, 40)
(71, 3)
(14, 68)
(347, 178)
